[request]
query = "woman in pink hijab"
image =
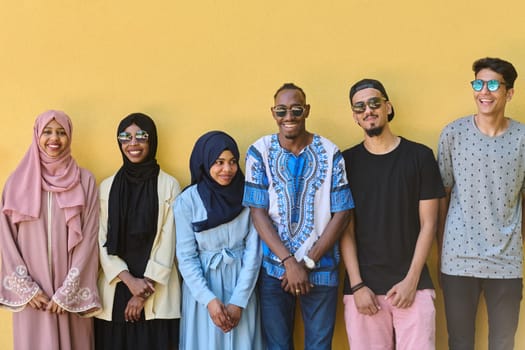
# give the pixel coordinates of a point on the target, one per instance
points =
(48, 243)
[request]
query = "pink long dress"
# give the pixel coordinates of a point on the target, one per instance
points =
(35, 255)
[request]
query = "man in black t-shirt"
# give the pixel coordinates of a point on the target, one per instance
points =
(396, 187)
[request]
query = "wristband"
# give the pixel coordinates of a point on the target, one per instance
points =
(357, 287)
(288, 257)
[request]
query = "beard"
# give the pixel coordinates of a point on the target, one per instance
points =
(375, 131)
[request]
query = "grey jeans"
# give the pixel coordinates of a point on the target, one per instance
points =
(502, 297)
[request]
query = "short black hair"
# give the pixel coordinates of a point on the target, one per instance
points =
(289, 86)
(506, 69)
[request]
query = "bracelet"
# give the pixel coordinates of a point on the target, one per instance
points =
(357, 287)
(288, 257)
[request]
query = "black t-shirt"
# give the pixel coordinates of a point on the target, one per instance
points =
(387, 189)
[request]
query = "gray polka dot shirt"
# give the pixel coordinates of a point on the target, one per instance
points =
(486, 174)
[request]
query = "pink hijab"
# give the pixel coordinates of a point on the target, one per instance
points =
(37, 171)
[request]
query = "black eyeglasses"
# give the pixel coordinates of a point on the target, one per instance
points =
(125, 137)
(372, 102)
(492, 85)
(281, 111)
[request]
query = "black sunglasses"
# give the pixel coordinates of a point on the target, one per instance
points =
(372, 102)
(281, 111)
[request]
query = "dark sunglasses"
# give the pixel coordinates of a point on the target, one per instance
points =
(281, 111)
(125, 137)
(372, 102)
(492, 85)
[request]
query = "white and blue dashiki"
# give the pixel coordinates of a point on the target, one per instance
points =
(300, 192)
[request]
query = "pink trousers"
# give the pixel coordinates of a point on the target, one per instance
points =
(391, 328)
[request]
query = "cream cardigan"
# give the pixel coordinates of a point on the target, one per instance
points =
(161, 267)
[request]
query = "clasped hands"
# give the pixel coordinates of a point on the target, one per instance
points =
(42, 302)
(295, 279)
(141, 289)
(226, 317)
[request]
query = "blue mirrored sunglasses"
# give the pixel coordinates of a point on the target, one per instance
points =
(492, 85)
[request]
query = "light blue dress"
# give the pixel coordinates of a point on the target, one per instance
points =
(223, 263)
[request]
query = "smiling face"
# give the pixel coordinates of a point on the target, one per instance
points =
(290, 126)
(492, 103)
(135, 151)
(53, 139)
(371, 120)
(224, 169)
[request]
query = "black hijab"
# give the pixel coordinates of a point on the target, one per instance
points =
(223, 203)
(133, 199)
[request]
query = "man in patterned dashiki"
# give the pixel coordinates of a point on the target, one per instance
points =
(299, 198)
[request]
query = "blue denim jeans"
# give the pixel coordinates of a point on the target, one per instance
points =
(318, 310)
(502, 296)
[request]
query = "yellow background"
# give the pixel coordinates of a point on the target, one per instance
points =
(201, 65)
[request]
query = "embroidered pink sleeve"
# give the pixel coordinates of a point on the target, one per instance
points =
(72, 296)
(18, 288)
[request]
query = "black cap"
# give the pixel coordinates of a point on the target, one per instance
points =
(370, 84)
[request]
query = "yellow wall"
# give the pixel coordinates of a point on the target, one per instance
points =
(196, 66)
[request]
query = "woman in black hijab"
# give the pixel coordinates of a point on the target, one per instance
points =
(218, 251)
(138, 282)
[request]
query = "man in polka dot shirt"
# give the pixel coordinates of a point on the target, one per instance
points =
(482, 162)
